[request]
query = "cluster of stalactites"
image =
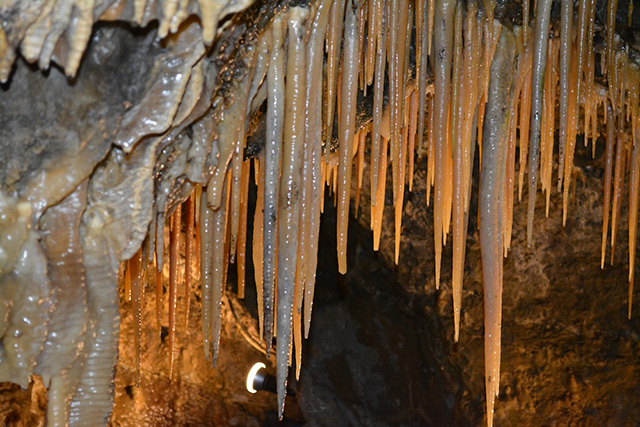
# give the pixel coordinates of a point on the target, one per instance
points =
(487, 85)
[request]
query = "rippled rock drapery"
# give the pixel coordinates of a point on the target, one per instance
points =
(76, 197)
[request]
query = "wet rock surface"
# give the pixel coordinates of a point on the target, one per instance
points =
(23, 406)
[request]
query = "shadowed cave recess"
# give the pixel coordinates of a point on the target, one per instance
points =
(163, 170)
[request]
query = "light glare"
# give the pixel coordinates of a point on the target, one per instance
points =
(252, 375)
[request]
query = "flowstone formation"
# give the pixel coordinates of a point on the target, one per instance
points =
(132, 130)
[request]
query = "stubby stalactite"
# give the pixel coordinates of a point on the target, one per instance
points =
(335, 83)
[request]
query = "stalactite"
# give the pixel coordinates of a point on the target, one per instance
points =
(373, 9)
(458, 184)
(237, 164)
(347, 128)
(258, 249)
(566, 24)
(174, 254)
(219, 264)
(313, 138)
(206, 256)
(159, 291)
(430, 150)
(378, 110)
(590, 112)
(398, 10)
(541, 38)
(361, 136)
(609, 65)
(633, 215)
(334, 35)
(403, 120)
(272, 167)
(422, 41)
(289, 202)
(127, 281)
(189, 213)
(508, 190)
(197, 198)
(610, 143)
(579, 54)
(548, 127)
(412, 128)
(443, 41)
(472, 57)
(242, 227)
(620, 168)
(137, 291)
(491, 201)
(363, 23)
